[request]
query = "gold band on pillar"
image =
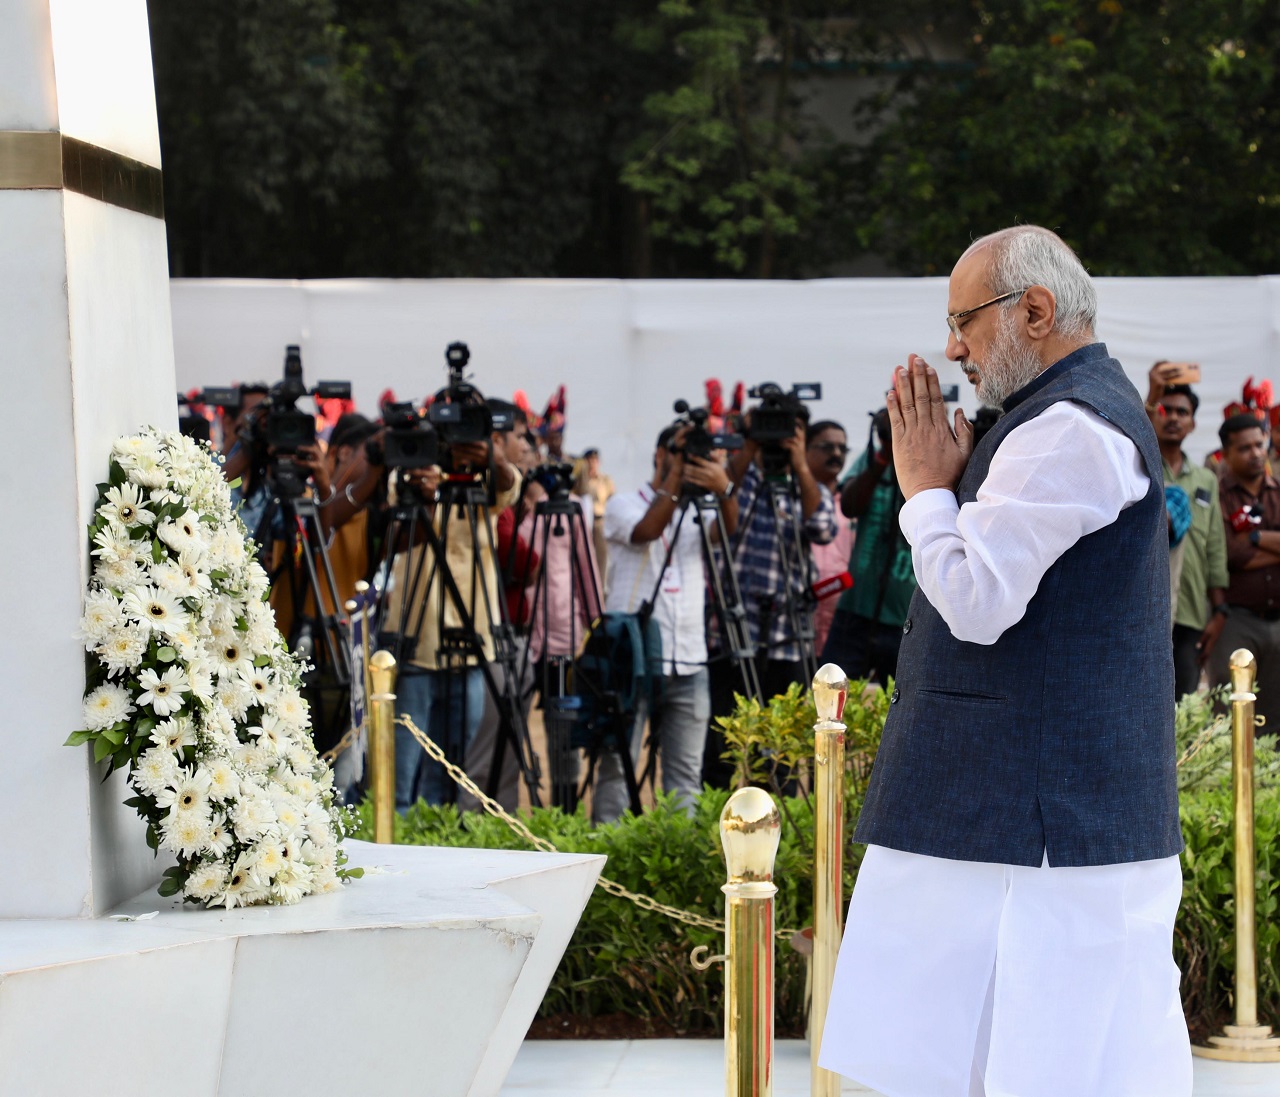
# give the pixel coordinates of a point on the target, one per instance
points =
(46, 160)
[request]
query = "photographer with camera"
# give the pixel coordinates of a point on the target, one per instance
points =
(442, 638)
(783, 509)
(640, 527)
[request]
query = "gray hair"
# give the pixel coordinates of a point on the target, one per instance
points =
(1028, 255)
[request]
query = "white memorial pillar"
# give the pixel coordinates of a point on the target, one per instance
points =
(87, 349)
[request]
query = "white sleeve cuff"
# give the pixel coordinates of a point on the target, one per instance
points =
(926, 510)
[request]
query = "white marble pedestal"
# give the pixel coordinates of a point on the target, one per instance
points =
(420, 979)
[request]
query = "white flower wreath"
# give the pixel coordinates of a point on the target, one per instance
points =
(191, 686)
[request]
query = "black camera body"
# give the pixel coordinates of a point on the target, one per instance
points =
(699, 441)
(279, 425)
(555, 478)
(459, 413)
(409, 442)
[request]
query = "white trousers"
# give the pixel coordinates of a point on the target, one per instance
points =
(961, 979)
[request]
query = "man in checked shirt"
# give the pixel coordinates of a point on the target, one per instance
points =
(764, 520)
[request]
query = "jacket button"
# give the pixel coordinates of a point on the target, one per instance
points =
(893, 700)
(906, 626)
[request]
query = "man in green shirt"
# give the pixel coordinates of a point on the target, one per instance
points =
(1200, 608)
(867, 628)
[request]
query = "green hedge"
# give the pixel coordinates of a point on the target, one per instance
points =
(625, 960)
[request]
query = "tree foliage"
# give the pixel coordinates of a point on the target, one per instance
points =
(1145, 132)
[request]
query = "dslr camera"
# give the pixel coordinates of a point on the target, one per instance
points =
(773, 420)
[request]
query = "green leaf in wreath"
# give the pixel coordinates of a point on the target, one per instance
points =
(262, 661)
(102, 747)
(169, 886)
(78, 737)
(114, 736)
(117, 475)
(146, 725)
(153, 837)
(157, 551)
(166, 654)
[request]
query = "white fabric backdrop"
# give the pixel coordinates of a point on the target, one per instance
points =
(626, 350)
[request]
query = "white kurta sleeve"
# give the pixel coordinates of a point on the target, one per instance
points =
(1055, 479)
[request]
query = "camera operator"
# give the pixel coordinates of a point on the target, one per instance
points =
(246, 461)
(866, 630)
(756, 550)
(448, 703)
(639, 526)
(515, 559)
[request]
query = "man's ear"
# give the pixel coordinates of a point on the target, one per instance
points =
(1040, 308)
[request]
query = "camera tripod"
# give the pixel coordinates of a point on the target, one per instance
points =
(313, 590)
(560, 516)
(411, 523)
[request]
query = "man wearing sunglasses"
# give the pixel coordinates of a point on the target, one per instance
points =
(1011, 929)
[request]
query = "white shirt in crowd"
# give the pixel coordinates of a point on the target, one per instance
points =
(1055, 479)
(633, 575)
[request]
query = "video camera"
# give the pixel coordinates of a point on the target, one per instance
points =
(773, 420)
(700, 442)
(555, 478)
(459, 413)
(409, 441)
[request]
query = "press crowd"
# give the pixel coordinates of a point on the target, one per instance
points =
(842, 499)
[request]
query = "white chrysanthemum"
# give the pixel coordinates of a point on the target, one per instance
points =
(182, 534)
(199, 674)
(123, 649)
(220, 837)
(251, 760)
(121, 575)
(107, 705)
(301, 759)
(290, 709)
(292, 882)
(186, 832)
(162, 692)
(301, 785)
(219, 725)
(207, 880)
(226, 550)
(129, 446)
(154, 771)
(174, 734)
(124, 507)
(232, 695)
(223, 782)
(157, 608)
(147, 471)
(102, 616)
(268, 860)
(189, 792)
(253, 817)
(325, 883)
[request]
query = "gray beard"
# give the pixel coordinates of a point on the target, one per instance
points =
(1010, 365)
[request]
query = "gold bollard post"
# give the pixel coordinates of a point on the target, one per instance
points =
(750, 827)
(1246, 1041)
(382, 745)
(830, 691)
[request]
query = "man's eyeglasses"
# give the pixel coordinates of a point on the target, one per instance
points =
(954, 318)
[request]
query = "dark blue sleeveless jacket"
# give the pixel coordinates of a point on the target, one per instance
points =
(1058, 736)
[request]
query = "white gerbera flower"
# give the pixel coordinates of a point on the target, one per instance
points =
(158, 608)
(207, 880)
(114, 545)
(239, 885)
(290, 709)
(271, 736)
(186, 832)
(124, 507)
(261, 683)
(174, 734)
(292, 882)
(230, 657)
(182, 534)
(188, 793)
(268, 860)
(220, 838)
(219, 727)
(102, 616)
(107, 705)
(196, 576)
(163, 692)
(290, 817)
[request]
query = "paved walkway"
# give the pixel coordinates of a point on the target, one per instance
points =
(695, 1068)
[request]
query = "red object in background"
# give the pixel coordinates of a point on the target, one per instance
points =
(1244, 520)
(831, 585)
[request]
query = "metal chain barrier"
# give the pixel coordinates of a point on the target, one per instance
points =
(495, 809)
(343, 744)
